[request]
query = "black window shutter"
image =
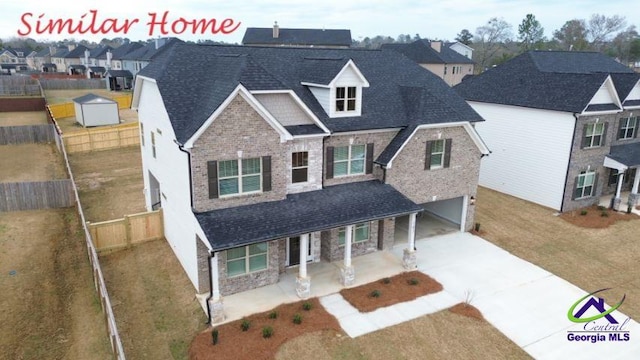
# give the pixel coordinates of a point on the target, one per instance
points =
(329, 161)
(427, 158)
(447, 153)
(212, 175)
(369, 168)
(604, 135)
(620, 124)
(594, 191)
(635, 129)
(575, 188)
(266, 173)
(585, 142)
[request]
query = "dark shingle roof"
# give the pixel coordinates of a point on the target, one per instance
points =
(119, 73)
(78, 52)
(624, 83)
(602, 107)
(316, 37)
(554, 80)
(122, 50)
(195, 79)
(628, 154)
(99, 52)
(150, 51)
(306, 212)
(296, 130)
(421, 52)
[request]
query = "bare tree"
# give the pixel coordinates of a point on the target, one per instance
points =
(621, 45)
(572, 35)
(489, 40)
(601, 27)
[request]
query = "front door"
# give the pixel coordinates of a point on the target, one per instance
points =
(294, 251)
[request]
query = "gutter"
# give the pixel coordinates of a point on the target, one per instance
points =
(181, 148)
(209, 257)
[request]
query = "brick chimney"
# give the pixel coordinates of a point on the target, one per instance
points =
(276, 30)
(436, 45)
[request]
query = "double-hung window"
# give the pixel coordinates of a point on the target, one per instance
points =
(247, 259)
(594, 135)
(437, 154)
(239, 176)
(360, 233)
(349, 160)
(627, 128)
(299, 167)
(346, 98)
(585, 184)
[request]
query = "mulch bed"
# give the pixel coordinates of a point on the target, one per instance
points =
(233, 343)
(391, 291)
(595, 217)
(467, 310)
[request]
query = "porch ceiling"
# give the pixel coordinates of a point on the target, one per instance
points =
(305, 212)
(627, 155)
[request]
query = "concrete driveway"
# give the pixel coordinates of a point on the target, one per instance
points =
(525, 302)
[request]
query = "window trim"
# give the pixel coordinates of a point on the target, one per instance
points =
(591, 145)
(346, 99)
(353, 235)
(300, 167)
(247, 256)
(349, 161)
(593, 184)
(442, 153)
(240, 176)
(626, 128)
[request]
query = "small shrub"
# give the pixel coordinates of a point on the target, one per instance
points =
(267, 331)
(477, 227)
(297, 319)
(413, 281)
(306, 306)
(245, 325)
(375, 294)
(601, 208)
(386, 280)
(273, 315)
(584, 212)
(214, 336)
(604, 214)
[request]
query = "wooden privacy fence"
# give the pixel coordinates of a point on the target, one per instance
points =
(102, 139)
(19, 86)
(27, 134)
(68, 109)
(72, 84)
(36, 195)
(132, 229)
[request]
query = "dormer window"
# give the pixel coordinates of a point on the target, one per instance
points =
(345, 98)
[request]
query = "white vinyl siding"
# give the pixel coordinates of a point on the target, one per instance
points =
(604, 95)
(530, 151)
(323, 95)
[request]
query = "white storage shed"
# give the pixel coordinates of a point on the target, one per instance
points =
(94, 110)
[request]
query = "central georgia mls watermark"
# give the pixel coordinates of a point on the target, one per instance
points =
(92, 23)
(602, 326)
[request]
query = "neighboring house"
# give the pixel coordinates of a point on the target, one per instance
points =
(73, 55)
(324, 38)
(41, 60)
(461, 49)
(563, 128)
(15, 55)
(440, 60)
(263, 158)
(112, 60)
(118, 79)
(137, 59)
(98, 56)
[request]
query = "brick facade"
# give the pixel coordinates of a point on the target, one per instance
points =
(332, 251)
(236, 284)
(408, 175)
(202, 253)
(593, 158)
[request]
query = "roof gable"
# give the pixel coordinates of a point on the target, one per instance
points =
(606, 95)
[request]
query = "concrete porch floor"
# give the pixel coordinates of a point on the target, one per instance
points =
(427, 225)
(605, 201)
(324, 281)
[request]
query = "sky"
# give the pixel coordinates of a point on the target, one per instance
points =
(431, 19)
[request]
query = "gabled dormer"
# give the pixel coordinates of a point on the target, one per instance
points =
(605, 99)
(632, 101)
(339, 88)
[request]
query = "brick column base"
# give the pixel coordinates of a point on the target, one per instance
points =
(409, 260)
(616, 204)
(216, 307)
(634, 199)
(303, 287)
(347, 275)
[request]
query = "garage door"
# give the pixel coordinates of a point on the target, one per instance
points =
(450, 209)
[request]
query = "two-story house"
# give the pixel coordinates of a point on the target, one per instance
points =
(276, 36)
(264, 158)
(563, 127)
(438, 58)
(135, 60)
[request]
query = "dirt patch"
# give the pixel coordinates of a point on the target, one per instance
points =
(69, 124)
(442, 335)
(49, 306)
(467, 310)
(591, 259)
(233, 343)
(31, 162)
(596, 217)
(154, 302)
(23, 118)
(400, 288)
(109, 182)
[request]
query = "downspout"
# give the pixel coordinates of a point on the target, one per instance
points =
(209, 257)
(181, 148)
(566, 176)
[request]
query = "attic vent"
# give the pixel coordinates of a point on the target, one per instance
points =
(324, 58)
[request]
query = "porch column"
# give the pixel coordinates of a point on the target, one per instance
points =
(347, 273)
(634, 196)
(216, 307)
(617, 201)
(409, 256)
(303, 282)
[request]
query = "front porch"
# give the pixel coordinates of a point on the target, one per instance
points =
(625, 160)
(607, 200)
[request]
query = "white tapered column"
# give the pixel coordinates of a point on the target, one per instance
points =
(409, 260)
(303, 282)
(617, 201)
(347, 273)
